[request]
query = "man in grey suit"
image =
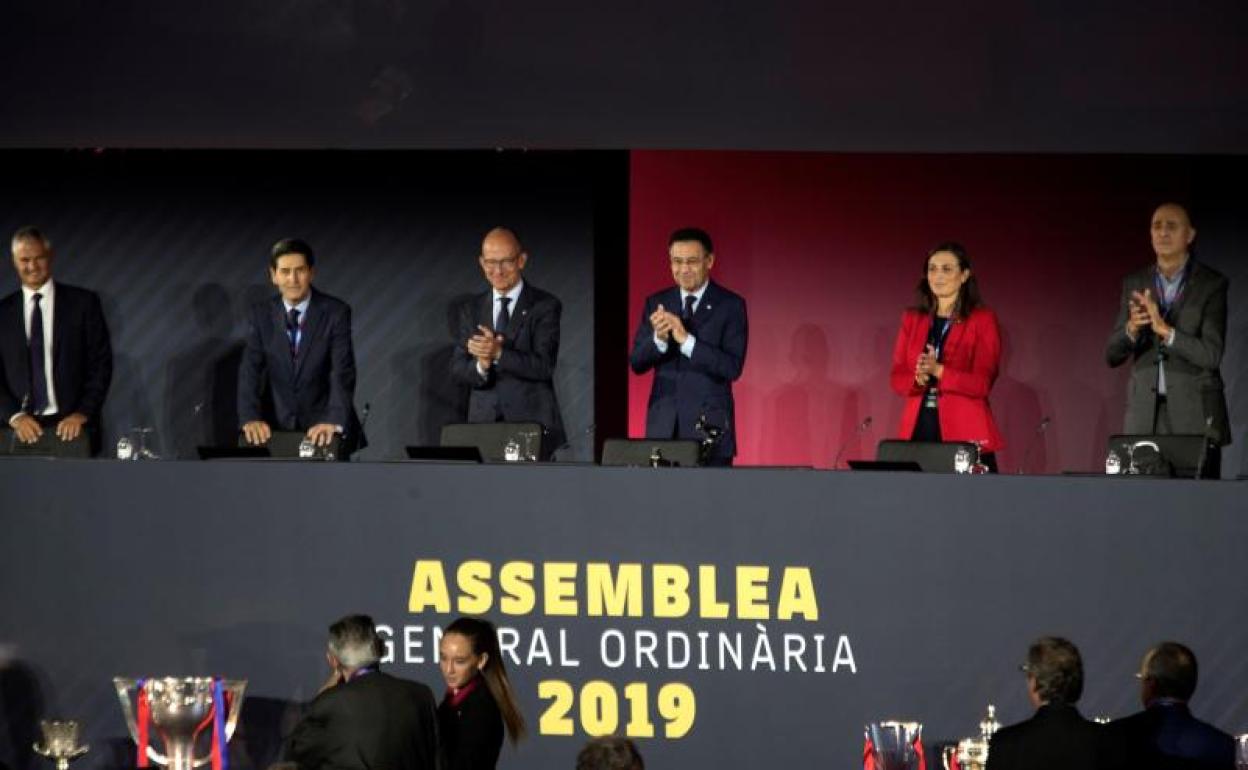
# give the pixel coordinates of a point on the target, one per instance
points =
(1172, 327)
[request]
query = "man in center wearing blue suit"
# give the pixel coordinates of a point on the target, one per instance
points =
(694, 336)
(298, 368)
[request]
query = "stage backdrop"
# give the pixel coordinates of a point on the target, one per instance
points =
(724, 618)
(827, 250)
(176, 243)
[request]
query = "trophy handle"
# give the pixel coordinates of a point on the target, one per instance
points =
(124, 686)
(235, 687)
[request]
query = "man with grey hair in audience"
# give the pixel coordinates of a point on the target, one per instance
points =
(364, 719)
(1057, 735)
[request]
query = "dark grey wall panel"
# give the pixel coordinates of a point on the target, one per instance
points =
(938, 582)
(841, 75)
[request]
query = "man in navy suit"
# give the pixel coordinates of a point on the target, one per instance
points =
(298, 368)
(507, 343)
(694, 336)
(1165, 734)
(54, 350)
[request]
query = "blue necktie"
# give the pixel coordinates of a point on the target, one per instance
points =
(38, 374)
(686, 317)
(504, 317)
(292, 331)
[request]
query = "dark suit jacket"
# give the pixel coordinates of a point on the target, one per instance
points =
(686, 388)
(373, 722)
(520, 386)
(1193, 381)
(317, 387)
(82, 357)
(1054, 737)
(472, 734)
(1165, 736)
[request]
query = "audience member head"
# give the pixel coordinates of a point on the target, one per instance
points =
(469, 648)
(1168, 671)
(609, 753)
(354, 644)
(1054, 671)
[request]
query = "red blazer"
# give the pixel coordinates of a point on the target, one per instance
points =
(972, 353)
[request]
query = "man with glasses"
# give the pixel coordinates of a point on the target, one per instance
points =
(1057, 735)
(1165, 734)
(693, 335)
(1172, 327)
(507, 343)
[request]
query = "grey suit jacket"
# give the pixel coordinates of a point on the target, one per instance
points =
(1194, 388)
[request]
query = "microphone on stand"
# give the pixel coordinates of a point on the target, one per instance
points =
(1031, 445)
(573, 439)
(858, 431)
(342, 440)
(1204, 446)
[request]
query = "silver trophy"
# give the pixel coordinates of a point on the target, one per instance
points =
(60, 742)
(972, 753)
(895, 744)
(181, 707)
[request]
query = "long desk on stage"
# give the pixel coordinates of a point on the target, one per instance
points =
(725, 617)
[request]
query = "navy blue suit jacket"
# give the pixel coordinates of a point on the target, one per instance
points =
(1166, 736)
(520, 386)
(686, 388)
(82, 357)
(316, 387)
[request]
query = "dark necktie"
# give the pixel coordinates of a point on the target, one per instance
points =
(292, 331)
(38, 374)
(686, 317)
(504, 317)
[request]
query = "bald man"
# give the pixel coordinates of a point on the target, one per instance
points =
(1172, 328)
(507, 343)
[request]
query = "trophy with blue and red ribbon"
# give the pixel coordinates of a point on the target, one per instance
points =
(180, 709)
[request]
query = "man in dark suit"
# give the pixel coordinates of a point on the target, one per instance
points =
(694, 336)
(363, 718)
(507, 342)
(1165, 734)
(298, 367)
(1172, 327)
(1057, 735)
(54, 350)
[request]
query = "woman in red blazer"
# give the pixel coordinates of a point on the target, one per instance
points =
(946, 357)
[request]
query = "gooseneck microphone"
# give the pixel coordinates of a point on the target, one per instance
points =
(858, 431)
(1036, 436)
(1204, 447)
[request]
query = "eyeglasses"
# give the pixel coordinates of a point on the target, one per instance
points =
(494, 265)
